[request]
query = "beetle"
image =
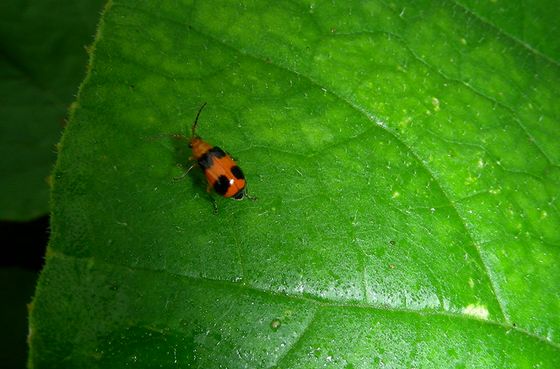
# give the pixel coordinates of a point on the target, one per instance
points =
(222, 172)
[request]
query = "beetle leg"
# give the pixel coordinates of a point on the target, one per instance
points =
(247, 195)
(185, 173)
(214, 203)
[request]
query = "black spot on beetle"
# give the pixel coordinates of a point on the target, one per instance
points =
(236, 171)
(205, 161)
(221, 185)
(216, 152)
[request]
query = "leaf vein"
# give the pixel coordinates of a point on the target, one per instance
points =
(305, 298)
(506, 34)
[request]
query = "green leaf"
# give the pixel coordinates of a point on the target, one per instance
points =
(405, 160)
(42, 61)
(528, 25)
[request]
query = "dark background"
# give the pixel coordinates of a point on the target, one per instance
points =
(21, 259)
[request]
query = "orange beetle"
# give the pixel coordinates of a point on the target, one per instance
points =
(221, 171)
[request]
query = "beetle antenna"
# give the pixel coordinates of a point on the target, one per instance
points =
(196, 120)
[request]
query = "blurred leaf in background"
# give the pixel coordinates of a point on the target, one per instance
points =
(42, 61)
(406, 162)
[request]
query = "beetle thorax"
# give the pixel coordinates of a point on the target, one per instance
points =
(199, 147)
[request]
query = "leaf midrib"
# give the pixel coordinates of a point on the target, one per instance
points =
(319, 303)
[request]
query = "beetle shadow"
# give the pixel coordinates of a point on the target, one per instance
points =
(182, 155)
(181, 150)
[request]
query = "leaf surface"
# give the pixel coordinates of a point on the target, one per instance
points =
(405, 161)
